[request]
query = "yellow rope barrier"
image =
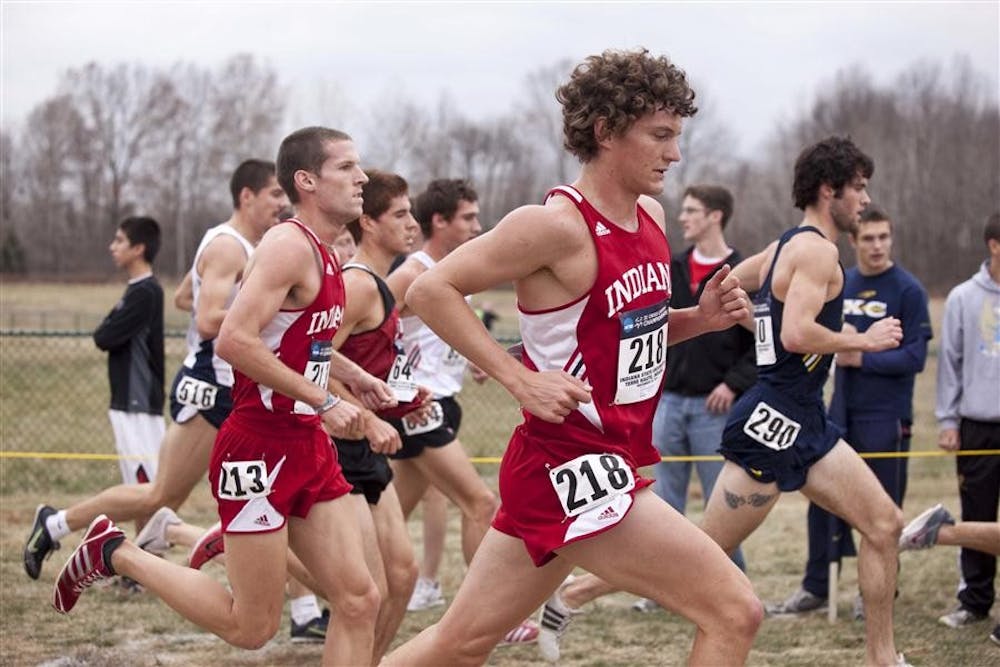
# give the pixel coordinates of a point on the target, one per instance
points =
(72, 456)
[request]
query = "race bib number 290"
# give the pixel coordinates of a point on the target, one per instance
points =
(771, 428)
(591, 480)
(317, 371)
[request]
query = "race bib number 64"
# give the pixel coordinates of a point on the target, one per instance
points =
(591, 480)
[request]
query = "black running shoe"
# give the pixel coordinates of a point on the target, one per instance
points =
(40, 544)
(312, 631)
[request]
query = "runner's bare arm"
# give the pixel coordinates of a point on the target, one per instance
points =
(809, 273)
(527, 241)
(184, 294)
(400, 280)
(221, 267)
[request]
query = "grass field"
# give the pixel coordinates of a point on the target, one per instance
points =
(110, 629)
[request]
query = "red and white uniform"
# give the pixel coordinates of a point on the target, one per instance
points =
(380, 351)
(272, 457)
(564, 482)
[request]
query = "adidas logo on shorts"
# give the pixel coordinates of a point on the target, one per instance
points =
(608, 513)
(262, 520)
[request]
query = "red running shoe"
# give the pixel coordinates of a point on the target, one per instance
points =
(525, 633)
(90, 562)
(208, 546)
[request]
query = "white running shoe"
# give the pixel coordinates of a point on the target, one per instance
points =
(426, 595)
(153, 536)
(553, 620)
(922, 532)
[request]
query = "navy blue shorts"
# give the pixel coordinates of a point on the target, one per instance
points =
(436, 429)
(775, 439)
(369, 473)
(195, 394)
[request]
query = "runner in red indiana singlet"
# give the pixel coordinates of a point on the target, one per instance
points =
(273, 472)
(589, 268)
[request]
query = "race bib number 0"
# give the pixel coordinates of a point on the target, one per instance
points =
(401, 379)
(642, 353)
(243, 480)
(425, 421)
(763, 335)
(590, 481)
(317, 371)
(196, 393)
(771, 428)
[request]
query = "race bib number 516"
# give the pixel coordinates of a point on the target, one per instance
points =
(591, 480)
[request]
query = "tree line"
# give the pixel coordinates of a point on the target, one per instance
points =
(129, 138)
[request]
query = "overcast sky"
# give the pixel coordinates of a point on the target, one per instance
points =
(754, 63)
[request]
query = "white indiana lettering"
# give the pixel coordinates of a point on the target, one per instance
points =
(325, 319)
(861, 308)
(636, 281)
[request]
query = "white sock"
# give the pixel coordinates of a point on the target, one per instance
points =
(304, 609)
(56, 525)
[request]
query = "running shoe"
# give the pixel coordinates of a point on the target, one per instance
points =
(153, 536)
(799, 602)
(40, 544)
(90, 562)
(209, 545)
(525, 633)
(922, 532)
(426, 595)
(312, 631)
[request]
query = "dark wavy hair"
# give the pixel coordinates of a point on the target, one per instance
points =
(835, 161)
(441, 196)
(382, 187)
(619, 86)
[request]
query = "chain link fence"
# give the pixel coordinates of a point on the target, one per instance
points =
(54, 429)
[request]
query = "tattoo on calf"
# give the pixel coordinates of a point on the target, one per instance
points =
(734, 500)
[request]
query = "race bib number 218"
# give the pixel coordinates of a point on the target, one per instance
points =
(591, 480)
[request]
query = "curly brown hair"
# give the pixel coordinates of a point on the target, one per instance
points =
(619, 86)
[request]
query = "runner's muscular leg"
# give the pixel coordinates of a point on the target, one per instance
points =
(399, 563)
(841, 483)
(184, 456)
(720, 600)
(329, 544)
(738, 505)
(248, 617)
(410, 482)
(469, 629)
(448, 468)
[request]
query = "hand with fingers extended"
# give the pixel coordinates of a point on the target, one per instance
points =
(723, 302)
(382, 436)
(344, 420)
(551, 395)
(883, 335)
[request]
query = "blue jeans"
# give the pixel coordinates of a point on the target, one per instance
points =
(683, 426)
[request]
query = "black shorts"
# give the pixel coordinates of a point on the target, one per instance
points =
(436, 429)
(368, 472)
(199, 395)
(775, 439)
